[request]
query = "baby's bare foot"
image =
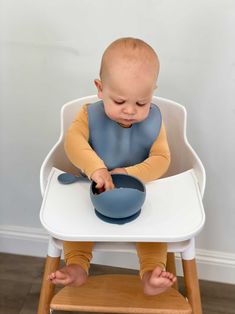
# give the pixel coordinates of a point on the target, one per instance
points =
(70, 275)
(157, 281)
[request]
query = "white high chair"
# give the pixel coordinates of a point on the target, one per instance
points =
(172, 213)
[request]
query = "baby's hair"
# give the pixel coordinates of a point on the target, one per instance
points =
(129, 47)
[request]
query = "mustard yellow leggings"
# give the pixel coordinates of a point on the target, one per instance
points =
(150, 255)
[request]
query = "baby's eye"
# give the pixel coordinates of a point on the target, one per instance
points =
(141, 104)
(119, 102)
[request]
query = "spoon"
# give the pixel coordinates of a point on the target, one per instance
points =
(68, 178)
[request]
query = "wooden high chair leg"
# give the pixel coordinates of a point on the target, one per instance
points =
(192, 285)
(47, 288)
(170, 266)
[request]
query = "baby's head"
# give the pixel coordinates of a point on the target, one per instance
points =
(128, 76)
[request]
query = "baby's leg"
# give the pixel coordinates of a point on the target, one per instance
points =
(152, 257)
(77, 257)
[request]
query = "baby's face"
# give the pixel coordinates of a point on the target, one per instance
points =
(127, 95)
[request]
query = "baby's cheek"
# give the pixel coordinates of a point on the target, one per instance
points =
(143, 115)
(109, 110)
(112, 113)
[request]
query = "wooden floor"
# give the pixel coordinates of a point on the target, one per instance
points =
(20, 278)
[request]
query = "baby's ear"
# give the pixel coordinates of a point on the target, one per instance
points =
(98, 85)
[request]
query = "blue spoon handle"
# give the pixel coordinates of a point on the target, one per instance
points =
(67, 178)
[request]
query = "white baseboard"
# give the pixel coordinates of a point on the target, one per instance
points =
(212, 265)
(23, 240)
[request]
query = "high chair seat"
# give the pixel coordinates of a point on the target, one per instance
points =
(118, 294)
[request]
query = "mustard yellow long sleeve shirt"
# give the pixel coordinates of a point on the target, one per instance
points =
(81, 154)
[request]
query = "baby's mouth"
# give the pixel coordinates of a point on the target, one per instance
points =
(129, 120)
(126, 122)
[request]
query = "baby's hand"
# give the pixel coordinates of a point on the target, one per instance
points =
(103, 180)
(118, 170)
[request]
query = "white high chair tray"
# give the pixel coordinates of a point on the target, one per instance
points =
(172, 212)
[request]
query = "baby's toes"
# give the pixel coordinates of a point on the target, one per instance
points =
(168, 276)
(171, 276)
(51, 276)
(60, 281)
(59, 274)
(174, 279)
(165, 274)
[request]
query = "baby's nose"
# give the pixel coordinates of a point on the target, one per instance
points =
(130, 110)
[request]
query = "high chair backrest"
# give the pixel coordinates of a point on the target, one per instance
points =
(183, 157)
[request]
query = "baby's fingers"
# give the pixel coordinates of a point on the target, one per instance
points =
(100, 183)
(109, 185)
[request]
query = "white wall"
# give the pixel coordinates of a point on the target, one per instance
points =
(50, 54)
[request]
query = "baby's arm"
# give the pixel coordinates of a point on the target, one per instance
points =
(81, 154)
(157, 163)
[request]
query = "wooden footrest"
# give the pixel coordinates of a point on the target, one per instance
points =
(118, 294)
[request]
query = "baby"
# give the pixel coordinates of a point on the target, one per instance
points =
(121, 133)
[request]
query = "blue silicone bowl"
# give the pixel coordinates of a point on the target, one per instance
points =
(122, 204)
